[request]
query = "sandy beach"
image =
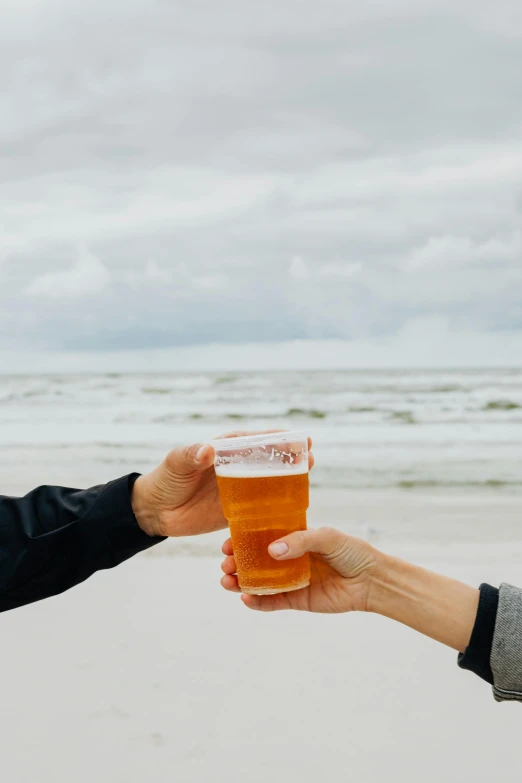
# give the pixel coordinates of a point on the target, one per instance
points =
(152, 672)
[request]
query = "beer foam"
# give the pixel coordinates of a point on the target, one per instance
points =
(234, 470)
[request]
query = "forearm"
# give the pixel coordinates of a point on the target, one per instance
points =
(434, 605)
(56, 537)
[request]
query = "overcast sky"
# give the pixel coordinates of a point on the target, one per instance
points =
(190, 171)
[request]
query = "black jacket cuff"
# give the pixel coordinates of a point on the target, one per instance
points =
(112, 514)
(477, 656)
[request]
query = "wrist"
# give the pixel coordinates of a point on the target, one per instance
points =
(143, 507)
(384, 583)
(434, 605)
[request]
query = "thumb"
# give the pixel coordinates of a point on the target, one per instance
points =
(325, 541)
(197, 457)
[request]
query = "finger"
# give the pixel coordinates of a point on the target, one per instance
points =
(228, 566)
(325, 541)
(230, 584)
(264, 603)
(204, 457)
(227, 547)
(184, 461)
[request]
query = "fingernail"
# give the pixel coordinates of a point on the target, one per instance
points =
(279, 548)
(199, 453)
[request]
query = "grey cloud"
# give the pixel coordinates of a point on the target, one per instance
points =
(196, 150)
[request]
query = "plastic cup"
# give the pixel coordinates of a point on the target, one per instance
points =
(264, 489)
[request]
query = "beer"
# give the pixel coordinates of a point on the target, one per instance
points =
(261, 505)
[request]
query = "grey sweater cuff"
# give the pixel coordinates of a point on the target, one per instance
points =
(506, 652)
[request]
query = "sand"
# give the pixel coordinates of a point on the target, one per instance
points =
(151, 672)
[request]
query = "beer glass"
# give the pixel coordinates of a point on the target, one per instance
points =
(263, 485)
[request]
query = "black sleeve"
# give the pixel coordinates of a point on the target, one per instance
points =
(477, 656)
(55, 538)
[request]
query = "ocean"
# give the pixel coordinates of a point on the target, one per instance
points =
(401, 430)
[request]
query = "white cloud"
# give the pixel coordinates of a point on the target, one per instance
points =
(452, 250)
(210, 281)
(155, 272)
(151, 274)
(86, 276)
(59, 210)
(337, 270)
(298, 269)
(10, 243)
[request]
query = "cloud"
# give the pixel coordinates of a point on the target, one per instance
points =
(11, 243)
(151, 274)
(325, 174)
(154, 272)
(298, 269)
(443, 251)
(87, 276)
(338, 270)
(421, 342)
(210, 282)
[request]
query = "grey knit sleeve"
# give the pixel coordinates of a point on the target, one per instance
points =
(506, 652)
